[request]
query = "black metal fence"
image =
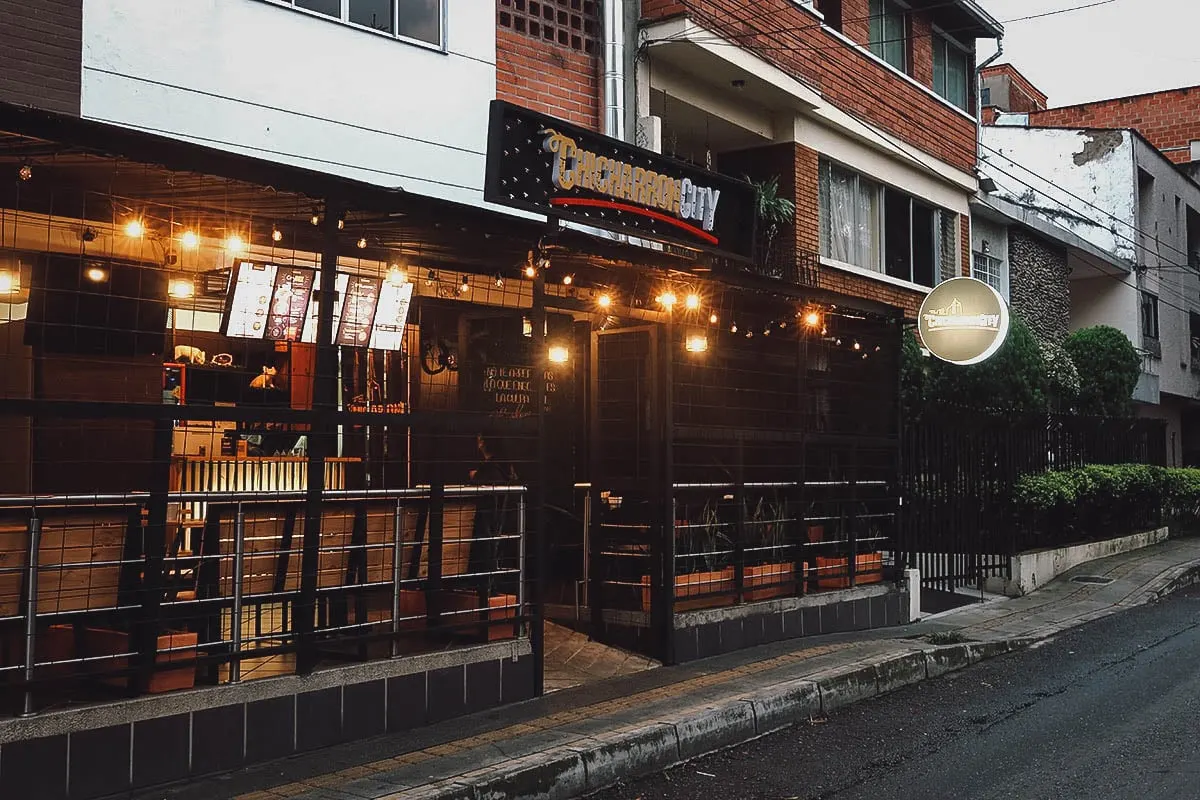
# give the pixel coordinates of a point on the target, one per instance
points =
(959, 525)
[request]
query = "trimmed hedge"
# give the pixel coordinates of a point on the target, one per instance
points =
(1109, 499)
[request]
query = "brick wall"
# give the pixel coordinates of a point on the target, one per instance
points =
(920, 49)
(1023, 95)
(856, 22)
(789, 38)
(41, 53)
(1168, 119)
(547, 77)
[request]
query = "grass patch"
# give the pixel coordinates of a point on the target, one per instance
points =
(946, 637)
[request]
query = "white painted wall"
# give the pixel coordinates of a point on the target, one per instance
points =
(268, 81)
(1103, 300)
(1067, 179)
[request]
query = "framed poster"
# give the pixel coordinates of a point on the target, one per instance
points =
(289, 303)
(249, 300)
(358, 311)
(391, 315)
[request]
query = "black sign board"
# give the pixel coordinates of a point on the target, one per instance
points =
(289, 303)
(542, 164)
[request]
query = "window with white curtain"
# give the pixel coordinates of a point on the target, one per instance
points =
(850, 217)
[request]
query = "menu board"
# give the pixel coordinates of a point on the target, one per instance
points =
(391, 315)
(289, 303)
(250, 300)
(310, 324)
(358, 311)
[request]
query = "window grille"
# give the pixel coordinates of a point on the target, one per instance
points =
(567, 23)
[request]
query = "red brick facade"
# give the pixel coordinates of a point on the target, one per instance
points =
(1023, 96)
(791, 39)
(1169, 120)
(547, 77)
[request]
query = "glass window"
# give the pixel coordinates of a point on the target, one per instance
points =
(889, 32)
(376, 14)
(990, 270)
(420, 19)
(1149, 316)
(951, 69)
(850, 229)
(330, 8)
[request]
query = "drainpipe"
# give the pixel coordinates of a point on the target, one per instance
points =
(614, 69)
(979, 101)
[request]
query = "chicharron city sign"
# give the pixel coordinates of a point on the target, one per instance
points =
(548, 166)
(963, 321)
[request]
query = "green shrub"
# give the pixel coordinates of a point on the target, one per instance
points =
(1108, 367)
(1012, 380)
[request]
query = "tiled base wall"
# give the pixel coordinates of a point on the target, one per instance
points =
(112, 760)
(763, 623)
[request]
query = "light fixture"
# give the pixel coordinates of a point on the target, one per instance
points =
(696, 343)
(189, 240)
(96, 275)
(465, 285)
(276, 235)
(713, 318)
(568, 279)
(812, 318)
(25, 172)
(526, 326)
(749, 334)
(782, 324)
(362, 243)
(341, 224)
(396, 276)
(499, 279)
(315, 219)
(430, 278)
(767, 331)
(10, 282)
(604, 301)
(235, 244)
(857, 346)
(530, 271)
(181, 288)
(733, 328)
(88, 234)
(135, 229)
(667, 300)
(558, 354)
(692, 302)
(986, 247)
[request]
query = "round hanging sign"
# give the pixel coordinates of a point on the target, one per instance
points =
(963, 321)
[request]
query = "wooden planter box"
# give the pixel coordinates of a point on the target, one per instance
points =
(102, 642)
(832, 572)
(708, 589)
(766, 581)
(500, 607)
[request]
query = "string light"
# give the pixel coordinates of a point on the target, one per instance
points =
(135, 229)
(25, 172)
(10, 282)
(465, 285)
(430, 278)
(568, 279)
(235, 244)
(396, 276)
(315, 219)
(857, 346)
(362, 243)
(276, 235)
(667, 300)
(713, 318)
(692, 303)
(341, 224)
(604, 301)
(733, 328)
(499, 281)
(96, 275)
(530, 271)
(558, 354)
(189, 240)
(181, 288)
(812, 318)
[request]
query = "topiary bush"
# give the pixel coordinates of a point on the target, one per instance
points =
(1108, 366)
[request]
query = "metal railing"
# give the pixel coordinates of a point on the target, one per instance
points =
(397, 570)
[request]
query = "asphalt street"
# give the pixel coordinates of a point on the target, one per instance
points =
(1110, 709)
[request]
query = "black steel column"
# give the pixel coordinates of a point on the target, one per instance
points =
(664, 625)
(320, 439)
(154, 546)
(537, 628)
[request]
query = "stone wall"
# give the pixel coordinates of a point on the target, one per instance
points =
(1038, 290)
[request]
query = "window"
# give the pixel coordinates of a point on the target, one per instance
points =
(985, 95)
(990, 270)
(409, 19)
(1149, 316)
(567, 23)
(879, 228)
(1194, 330)
(889, 32)
(832, 11)
(951, 68)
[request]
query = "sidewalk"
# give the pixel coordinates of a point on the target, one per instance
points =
(583, 739)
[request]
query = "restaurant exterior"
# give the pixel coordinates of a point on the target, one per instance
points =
(292, 460)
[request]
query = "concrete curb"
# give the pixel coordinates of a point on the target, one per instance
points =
(603, 760)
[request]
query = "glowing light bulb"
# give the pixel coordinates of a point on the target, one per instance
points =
(696, 343)
(9, 283)
(667, 300)
(276, 235)
(96, 275)
(558, 354)
(604, 301)
(857, 346)
(315, 219)
(135, 229)
(530, 271)
(812, 319)
(465, 284)
(713, 318)
(189, 240)
(235, 244)
(25, 172)
(692, 302)
(568, 279)
(181, 288)
(396, 276)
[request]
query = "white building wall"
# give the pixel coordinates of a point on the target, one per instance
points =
(1083, 181)
(263, 79)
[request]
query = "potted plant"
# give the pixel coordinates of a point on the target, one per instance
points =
(704, 548)
(775, 574)
(772, 212)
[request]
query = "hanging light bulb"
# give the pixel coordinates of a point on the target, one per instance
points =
(276, 235)
(341, 224)
(181, 288)
(713, 318)
(857, 346)
(315, 219)
(667, 300)
(430, 278)
(25, 172)
(189, 240)
(558, 354)
(812, 318)
(362, 243)
(135, 229)
(396, 276)
(733, 328)
(568, 279)
(499, 281)
(530, 271)
(10, 282)
(465, 285)
(235, 244)
(604, 301)
(96, 275)
(692, 302)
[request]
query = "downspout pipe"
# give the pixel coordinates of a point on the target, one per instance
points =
(979, 100)
(614, 69)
